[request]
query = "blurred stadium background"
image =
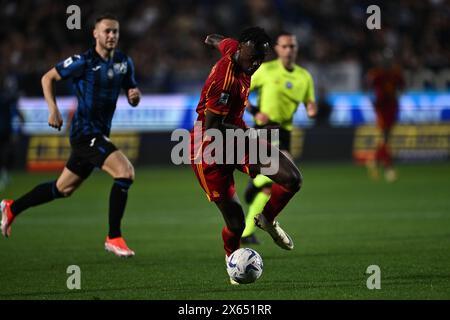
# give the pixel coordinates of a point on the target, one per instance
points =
(165, 39)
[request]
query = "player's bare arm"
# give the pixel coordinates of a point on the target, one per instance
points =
(311, 109)
(134, 96)
(260, 117)
(213, 40)
(216, 121)
(55, 119)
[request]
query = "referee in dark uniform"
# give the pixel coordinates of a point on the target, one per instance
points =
(98, 76)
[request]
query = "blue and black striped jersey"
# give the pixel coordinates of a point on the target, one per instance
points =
(97, 83)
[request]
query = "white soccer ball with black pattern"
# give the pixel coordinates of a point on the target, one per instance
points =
(245, 265)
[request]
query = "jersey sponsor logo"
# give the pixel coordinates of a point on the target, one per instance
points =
(120, 67)
(224, 97)
(96, 68)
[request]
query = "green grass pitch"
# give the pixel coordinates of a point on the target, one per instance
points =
(341, 223)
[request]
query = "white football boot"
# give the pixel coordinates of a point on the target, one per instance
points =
(281, 238)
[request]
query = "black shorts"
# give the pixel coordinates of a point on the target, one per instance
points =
(5, 138)
(284, 136)
(87, 153)
(285, 140)
(6, 151)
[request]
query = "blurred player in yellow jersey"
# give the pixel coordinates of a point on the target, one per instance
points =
(281, 86)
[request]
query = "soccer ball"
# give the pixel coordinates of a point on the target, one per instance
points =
(244, 265)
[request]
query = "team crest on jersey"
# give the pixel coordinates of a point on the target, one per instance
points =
(289, 85)
(120, 67)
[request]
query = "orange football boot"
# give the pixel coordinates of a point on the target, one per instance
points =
(119, 247)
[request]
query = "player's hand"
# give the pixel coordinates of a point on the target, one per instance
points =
(55, 120)
(134, 96)
(261, 119)
(311, 109)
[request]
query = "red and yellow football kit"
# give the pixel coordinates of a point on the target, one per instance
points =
(225, 93)
(386, 84)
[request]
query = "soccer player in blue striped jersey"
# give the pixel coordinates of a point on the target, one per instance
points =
(98, 77)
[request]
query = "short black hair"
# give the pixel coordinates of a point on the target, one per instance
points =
(258, 36)
(283, 33)
(105, 16)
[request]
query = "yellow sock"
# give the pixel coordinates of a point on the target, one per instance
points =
(256, 207)
(261, 181)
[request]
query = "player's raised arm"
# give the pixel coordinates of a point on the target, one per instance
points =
(221, 43)
(213, 40)
(48, 87)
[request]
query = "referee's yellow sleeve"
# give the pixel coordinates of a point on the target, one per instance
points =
(257, 78)
(309, 96)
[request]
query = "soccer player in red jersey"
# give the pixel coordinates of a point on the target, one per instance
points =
(386, 81)
(222, 104)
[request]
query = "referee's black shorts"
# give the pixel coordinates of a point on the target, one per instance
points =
(284, 142)
(89, 152)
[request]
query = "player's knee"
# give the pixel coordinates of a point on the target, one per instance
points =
(295, 181)
(65, 191)
(126, 172)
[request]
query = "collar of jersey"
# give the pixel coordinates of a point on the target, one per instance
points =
(97, 56)
(286, 70)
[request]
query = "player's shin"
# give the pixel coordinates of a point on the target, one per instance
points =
(117, 203)
(279, 198)
(255, 207)
(231, 240)
(41, 194)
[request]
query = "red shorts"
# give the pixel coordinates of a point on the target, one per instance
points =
(217, 179)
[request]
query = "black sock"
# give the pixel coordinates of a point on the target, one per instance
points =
(117, 203)
(42, 193)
